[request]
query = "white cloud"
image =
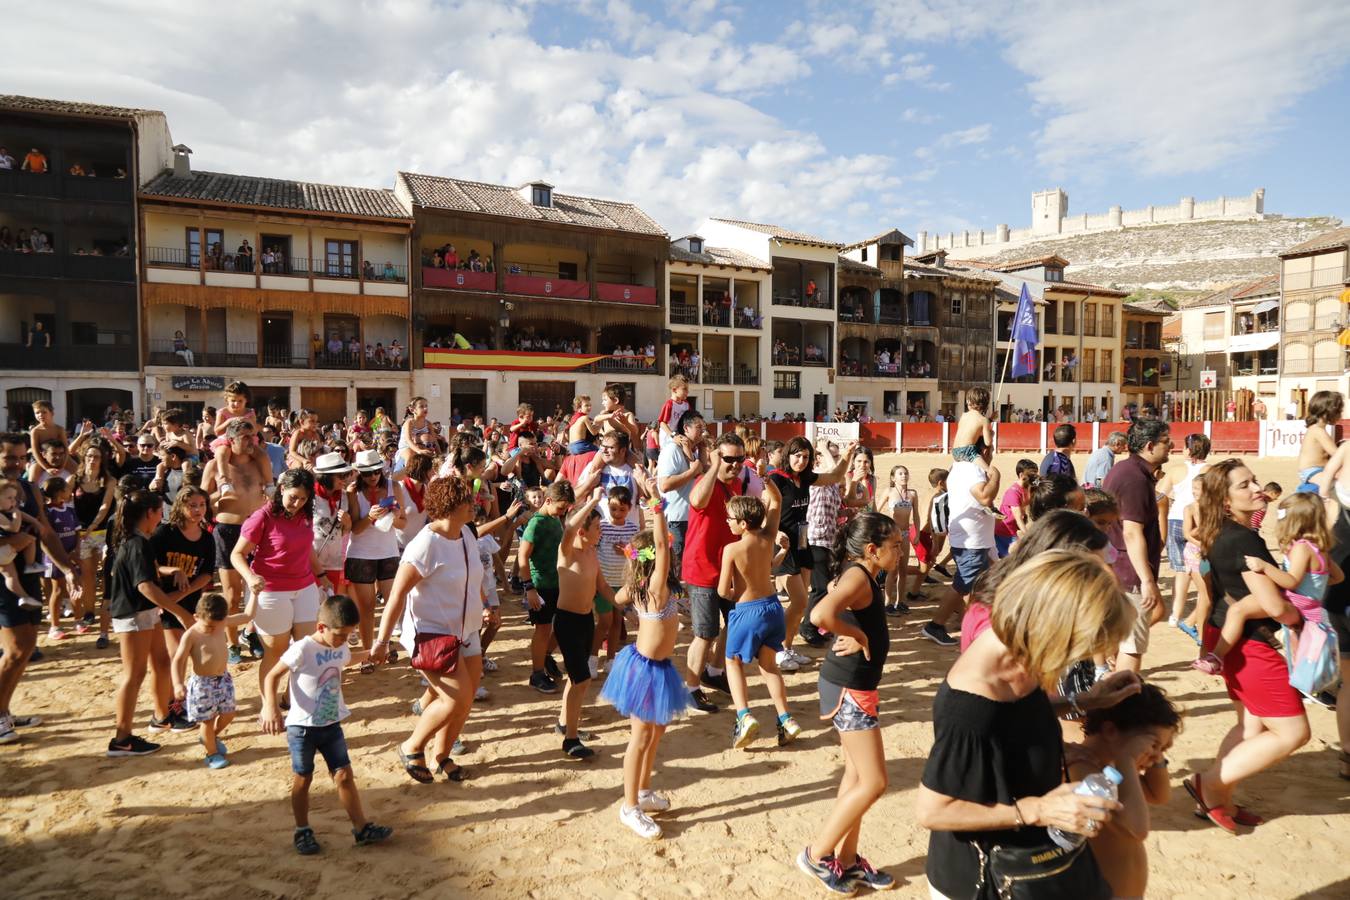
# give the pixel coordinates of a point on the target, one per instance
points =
(917, 116)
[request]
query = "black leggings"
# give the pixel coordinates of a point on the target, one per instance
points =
(575, 633)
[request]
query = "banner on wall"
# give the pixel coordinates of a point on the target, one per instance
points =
(1282, 438)
(841, 432)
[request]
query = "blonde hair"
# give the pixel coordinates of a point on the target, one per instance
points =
(579, 401)
(1304, 518)
(1057, 608)
(677, 381)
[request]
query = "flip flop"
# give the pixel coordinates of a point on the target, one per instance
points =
(458, 774)
(1215, 814)
(416, 770)
(1190, 631)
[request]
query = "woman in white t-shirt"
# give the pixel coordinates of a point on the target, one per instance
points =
(438, 591)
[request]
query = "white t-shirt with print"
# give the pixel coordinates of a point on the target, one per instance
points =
(316, 683)
(437, 605)
(969, 526)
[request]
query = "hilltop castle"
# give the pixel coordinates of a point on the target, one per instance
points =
(1050, 219)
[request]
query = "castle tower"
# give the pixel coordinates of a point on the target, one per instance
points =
(1048, 209)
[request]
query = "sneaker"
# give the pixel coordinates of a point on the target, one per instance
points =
(1172, 620)
(892, 609)
(1209, 664)
(489, 665)
(81, 628)
(650, 802)
(56, 634)
(717, 682)
(593, 666)
(788, 729)
(575, 749)
(785, 661)
(305, 844)
(235, 656)
(938, 635)
(89, 619)
(561, 730)
(828, 872)
(744, 731)
(481, 693)
(801, 659)
(130, 746)
(701, 701)
(101, 643)
(639, 821)
(25, 721)
(36, 655)
(7, 733)
(551, 667)
(862, 872)
(216, 761)
(370, 833)
(417, 707)
(543, 684)
(255, 644)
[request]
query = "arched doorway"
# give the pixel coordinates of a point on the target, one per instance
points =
(19, 405)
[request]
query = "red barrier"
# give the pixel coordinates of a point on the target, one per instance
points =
(1234, 437)
(459, 279)
(783, 431)
(1013, 436)
(879, 437)
(626, 293)
(1179, 430)
(921, 436)
(548, 287)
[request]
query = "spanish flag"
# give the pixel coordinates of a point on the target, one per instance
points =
(506, 360)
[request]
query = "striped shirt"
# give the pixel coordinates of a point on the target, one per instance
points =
(822, 514)
(613, 563)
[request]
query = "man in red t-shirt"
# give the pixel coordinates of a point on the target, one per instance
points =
(708, 534)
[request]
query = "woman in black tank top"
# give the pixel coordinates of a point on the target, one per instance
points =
(854, 610)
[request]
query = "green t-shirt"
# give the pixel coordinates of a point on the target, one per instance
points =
(545, 533)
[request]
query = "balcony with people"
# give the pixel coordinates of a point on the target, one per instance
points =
(90, 168)
(91, 248)
(802, 283)
(856, 306)
(1262, 362)
(1003, 366)
(747, 310)
(684, 301)
(629, 349)
(716, 353)
(537, 270)
(799, 343)
(716, 302)
(85, 331)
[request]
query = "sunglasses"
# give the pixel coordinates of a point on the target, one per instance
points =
(733, 460)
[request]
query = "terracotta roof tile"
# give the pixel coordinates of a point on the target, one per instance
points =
(782, 234)
(19, 103)
(853, 265)
(1082, 285)
(277, 193)
(1270, 284)
(1155, 307)
(1327, 240)
(719, 256)
(1052, 260)
(435, 192)
(890, 236)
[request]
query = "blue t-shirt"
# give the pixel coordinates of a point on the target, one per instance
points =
(673, 462)
(276, 455)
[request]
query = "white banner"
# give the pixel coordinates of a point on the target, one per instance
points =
(843, 432)
(1282, 438)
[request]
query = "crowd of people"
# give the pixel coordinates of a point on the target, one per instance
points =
(36, 162)
(314, 547)
(446, 257)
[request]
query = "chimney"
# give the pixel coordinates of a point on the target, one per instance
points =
(181, 167)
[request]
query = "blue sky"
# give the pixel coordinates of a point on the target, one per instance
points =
(836, 119)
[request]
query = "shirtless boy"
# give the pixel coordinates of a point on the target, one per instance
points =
(209, 694)
(249, 473)
(46, 429)
(973, 425)
(756, 627)
(579, 581)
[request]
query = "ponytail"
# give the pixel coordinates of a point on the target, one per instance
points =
(850, 543)
(131, 509)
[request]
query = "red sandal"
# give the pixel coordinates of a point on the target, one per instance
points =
(1216, 814)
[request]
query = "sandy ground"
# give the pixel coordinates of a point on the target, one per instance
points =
(528, 824)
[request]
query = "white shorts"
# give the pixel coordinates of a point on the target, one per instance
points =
(145, 620)
(7, 554)
(279, 611)
(92, 543)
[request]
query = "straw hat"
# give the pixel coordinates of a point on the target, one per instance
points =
(331, 464)
(369, 461)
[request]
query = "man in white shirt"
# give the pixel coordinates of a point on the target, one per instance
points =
(971, 492)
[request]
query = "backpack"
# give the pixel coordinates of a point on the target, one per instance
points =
(1312, 653)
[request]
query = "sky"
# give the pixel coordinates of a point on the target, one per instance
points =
(840, 120)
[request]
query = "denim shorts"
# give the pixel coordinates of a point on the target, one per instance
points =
(706, 607)
(970, 565)
(1176, 546)
(328, 740)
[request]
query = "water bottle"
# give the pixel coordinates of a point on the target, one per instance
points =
(1098, 784)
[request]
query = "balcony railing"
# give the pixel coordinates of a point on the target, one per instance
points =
(626, 365)
(746, 375)
(683, 314)
(458, 279)
(715, 373)
(891, 315)
(818, 300)
(717, 317)
(73, 187)
(244, 354)
(93, 357)
(67, 265)
(787, 356)
(542, 286)
(754, 320)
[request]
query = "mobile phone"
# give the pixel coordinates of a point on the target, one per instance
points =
(387, 502)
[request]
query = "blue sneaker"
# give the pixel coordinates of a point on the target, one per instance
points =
(235, 657)
(862, 872)
(828, 872)
(216, 761)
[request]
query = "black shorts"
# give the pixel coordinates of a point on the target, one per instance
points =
(188, 603)
(653, 455)
(369, 571)
(12, 615)
(544, 614)
(575, 632)
(226, 536)
(798, 560)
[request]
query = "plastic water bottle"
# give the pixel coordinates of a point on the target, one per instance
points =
(1099, 784)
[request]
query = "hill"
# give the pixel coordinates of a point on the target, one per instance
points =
(1187, 256)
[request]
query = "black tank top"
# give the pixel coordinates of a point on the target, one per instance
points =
(855, 671)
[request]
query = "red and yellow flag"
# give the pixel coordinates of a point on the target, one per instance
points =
(506, 360)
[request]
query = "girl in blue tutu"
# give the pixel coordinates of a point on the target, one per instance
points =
(643, 684)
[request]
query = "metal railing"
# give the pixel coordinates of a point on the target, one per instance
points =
(741, 321)
(681, 314)
(746, 376)
(626, 365)
(715, 373)
(817, 300)
(88, 357)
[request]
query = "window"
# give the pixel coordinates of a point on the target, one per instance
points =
(1327, 356)
(1067, 324)
(214, 237)
(542, 195)
(1328, 313)
(1328, 268)
(956, 306)
(1054, 274)
(1297, 273)
(1108, 369)
(1052, 317)
(1090, 319)
(864, 254)
(1297, 316)
(340, 258)
(1089, 367)
(1296, 358)
(567, 271)
(1108, 320)
(696, 245)
(1213, 326)
(1088, 404)
(787, 385)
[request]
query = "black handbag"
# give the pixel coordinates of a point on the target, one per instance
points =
(1047, 872)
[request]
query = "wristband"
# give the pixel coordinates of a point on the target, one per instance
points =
(1021, 822)
(655, 503)
(527, 585)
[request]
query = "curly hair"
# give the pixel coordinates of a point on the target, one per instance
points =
(178, 512)
(445, 495)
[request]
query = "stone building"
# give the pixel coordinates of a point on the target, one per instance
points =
(1313, 284)
(1234, 333)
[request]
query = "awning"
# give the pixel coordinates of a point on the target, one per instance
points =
(1250, 343)
(1266, 306)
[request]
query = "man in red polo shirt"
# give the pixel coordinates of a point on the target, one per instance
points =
(708, 534)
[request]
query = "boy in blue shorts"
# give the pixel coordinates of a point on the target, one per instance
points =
(314, 723)
(756, 627)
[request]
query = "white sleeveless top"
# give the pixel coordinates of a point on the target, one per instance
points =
(371, 543)
(1183, 492)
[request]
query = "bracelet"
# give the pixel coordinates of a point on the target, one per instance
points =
(527, 585)
(1021, 822)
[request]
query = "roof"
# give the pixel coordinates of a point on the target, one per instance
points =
(893, 236)
(1327, 240)
(948, 271)
(1243, 290)
(436, 192)
(853, 265)
(1074, 286)
(20, 103)
(277, 193)
(1155, 307)
(783, 234)
(719, 256)
(931, 256)
(1052, 260)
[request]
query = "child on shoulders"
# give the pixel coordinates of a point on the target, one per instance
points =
(973, 425)
(1325, 408)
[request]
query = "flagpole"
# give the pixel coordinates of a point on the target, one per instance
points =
(1003, 371)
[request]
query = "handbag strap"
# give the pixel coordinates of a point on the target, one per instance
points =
(464, 620)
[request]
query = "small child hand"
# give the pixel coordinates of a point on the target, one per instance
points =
(179, 692)
(271, 722)
(783, 541)
(1255, 564)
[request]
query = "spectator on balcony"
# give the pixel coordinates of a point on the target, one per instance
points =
(243, 257)
(76, 169)
(180, 348)
(39, 241)
(475, 261)
(6, 161)
(390, 273)
(35, 162)
(381, 358)
(354, 349)
(38, 336)
(367, 270)
(121, 173)
(811, 290)
(395, 354)
(6, 238)
(450, 257)
(334, 344)
(216, 256)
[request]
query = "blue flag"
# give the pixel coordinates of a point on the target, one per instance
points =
(1024, 336)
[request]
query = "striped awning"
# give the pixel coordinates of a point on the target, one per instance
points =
(506, 360)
